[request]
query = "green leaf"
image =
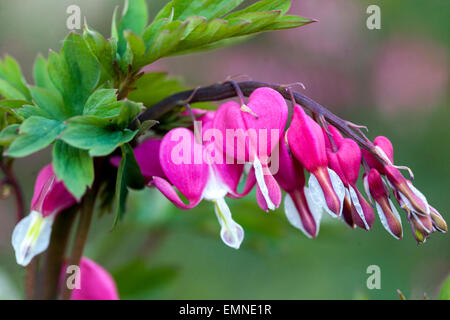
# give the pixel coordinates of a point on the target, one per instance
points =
(444, 293)
(10, 92)
(13, 107)
(134, 18)
(74, 167)
(50, 102)
(128, 175)
(40, 74)
(75, 72)
(36, 133)
(95, 134)
(209, 9)
(137, 49)
(10, 71)
(99, 99)
(8, 134)
(179, 31)
(155, 86)
(128, 113)
(104, 50)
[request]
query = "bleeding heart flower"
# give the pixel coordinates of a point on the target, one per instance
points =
(346, 161)
(94, 282)
(386, 210)
(307, 144)
(413, 199)
(302, 210)
(181, 158)
(252, 133)
(31, 235)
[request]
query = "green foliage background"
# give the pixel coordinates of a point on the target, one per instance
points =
(159, 252)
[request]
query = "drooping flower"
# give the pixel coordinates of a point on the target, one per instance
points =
(423, 218)
(94, 282)
(346, 161)
(302, 210)
(386, 210)
(198, 177)
(411, 197)
(307, 144)
(252, 132)
(31, 235)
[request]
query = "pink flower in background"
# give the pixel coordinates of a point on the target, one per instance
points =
(410, 74)
(94, 283)
(31, 235)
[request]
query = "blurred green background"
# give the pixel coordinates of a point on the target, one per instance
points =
(394, 80)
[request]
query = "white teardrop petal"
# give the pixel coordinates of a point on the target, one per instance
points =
(232, 233)
(383, 218)
(31, 236)
(315, 208)
(259, 174)
(338, 187)
(293, 216)
(316, 195)
(358, 207)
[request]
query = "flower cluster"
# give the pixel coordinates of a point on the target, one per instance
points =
(210, 161)
(251, 141)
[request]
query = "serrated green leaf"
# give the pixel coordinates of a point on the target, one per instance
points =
(265, 5)
(95, 134)
(209, 9)
(50, 102)
(444, 293)
(10, 71)
(75, 72)
(36, 133)
(128, 175)
(134, 18)
(74, 167)
(40, 74)
(210, 27)
(8, 134)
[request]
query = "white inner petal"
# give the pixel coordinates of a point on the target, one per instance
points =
(232, 234)
(358, 207)
(338, 187)
(31, 236)
(315, 208)
(293, 216)
(383, 217)
(316, 195)
(259, 174)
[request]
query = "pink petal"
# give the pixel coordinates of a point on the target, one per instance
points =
(299, 214)
(179, 153)
(50, 195)
(273, 190)
(349, 156)
(95, 283)
(290, 173)
(306, 141)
